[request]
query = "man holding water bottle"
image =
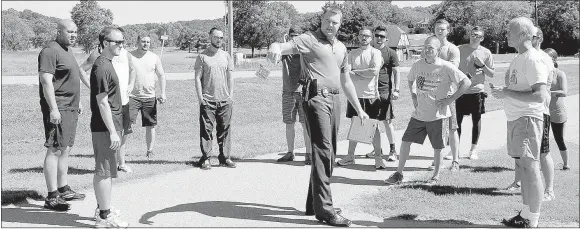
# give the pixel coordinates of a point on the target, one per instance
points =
(325, 71)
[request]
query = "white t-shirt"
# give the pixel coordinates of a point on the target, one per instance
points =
(525, 70)
(121, 65)
(547, 60)
(146, 76)
(433, 82)
(362, 59)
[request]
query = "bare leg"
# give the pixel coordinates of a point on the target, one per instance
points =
(63, 167)
(437, 162)
(121, 152)
(103, 187)
(50, 169)
(547, 167)
(150, 136)
(290, 137)
(404, 155)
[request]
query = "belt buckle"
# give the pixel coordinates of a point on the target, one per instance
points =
(325, 92)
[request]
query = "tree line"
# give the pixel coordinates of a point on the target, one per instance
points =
(257, 23)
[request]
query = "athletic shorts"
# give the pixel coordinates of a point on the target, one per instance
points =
(105, 157)
(438, 132)
(148, 109)
(471, 104)
(63, 134)
(545, 145)
(375, 109)
(126, 120)
(524, 137)
(292, 107)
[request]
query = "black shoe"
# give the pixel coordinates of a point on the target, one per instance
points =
(69, 195)
(517, 221)
(307, 159)
(336, 221)
(287, 157)
(57, 204)
(205, 165)
(336, 210)
(228, 163)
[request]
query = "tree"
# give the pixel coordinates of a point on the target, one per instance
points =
(247, 26)
(355, 16)
(90, 19)
(560, 24)
(277, 18)
(16, 34)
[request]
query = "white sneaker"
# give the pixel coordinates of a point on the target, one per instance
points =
(112, 209)
(380, 164)
(512, 187)
(124, 168)
(448, 157)
(473, 156)
(112, 221)
(549, 196)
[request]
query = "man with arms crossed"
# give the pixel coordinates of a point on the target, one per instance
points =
(388, 85)
(434, 79)
(106, 126)
(476, 63)
(59, 91)
(292, 102)
(126, 74)
(325, 67)
(365, 63)
(143, 99)
(523, 98)
(215, 90)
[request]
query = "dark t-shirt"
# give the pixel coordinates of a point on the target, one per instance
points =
(291, 71)
(385, 74)
(104, 80)
(60, 62)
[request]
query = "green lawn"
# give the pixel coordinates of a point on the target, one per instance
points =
(256, 125)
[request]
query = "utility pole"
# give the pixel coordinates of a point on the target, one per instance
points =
(536, 11)
(231, 28)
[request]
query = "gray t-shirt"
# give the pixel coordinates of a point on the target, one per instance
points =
(214, 67)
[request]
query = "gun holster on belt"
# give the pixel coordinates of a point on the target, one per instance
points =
(310, 89)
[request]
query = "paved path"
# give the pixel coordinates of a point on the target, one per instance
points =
(260, 192)
(237, 74)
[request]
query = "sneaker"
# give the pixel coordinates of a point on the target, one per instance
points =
(549, 196)
(393, 155)
(565, 167)
(448, 157)
(124, 168)
(432, 181)
(205, 165)
(112, 221)
(69, 195)
(287, 157)
(473, 156)
(346, 161)
(307, 159)
(432, 166)
(149, 154)
(517, 221)
(395, 178)
(454, 166)
(112, 209)
(370, 155)
(512, 187)
(57, 204)
(228, 163)
(379, 164)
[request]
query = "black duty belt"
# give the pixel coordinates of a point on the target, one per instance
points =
(325, 91)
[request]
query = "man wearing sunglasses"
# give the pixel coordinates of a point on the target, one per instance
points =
(388, 86)
(143, 99)
(214, 88)
(126, 74)
(59, 91)
(292, 102)
(106, 126)
(476, 63)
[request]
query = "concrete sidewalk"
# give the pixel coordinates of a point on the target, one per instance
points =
(263, 193)
(237, 74)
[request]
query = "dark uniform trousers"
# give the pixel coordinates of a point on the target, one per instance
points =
(322, 120)
(218, 114)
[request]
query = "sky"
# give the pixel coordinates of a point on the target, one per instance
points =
(162, 11)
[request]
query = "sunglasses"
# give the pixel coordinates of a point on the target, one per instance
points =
(119, 42)
(379, 36)
(476, 35)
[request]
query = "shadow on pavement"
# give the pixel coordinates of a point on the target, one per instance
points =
(452, 190)
(71, 171)
(407, 220)
(160, 162)
(83, 155)
(235, 210)
(482, 169)
(34, 214)
(346, 180)
(273, 161)
(19, 196)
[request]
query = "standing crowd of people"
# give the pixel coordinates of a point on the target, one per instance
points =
(446, 84)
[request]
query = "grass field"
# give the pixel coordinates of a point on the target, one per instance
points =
(173, 59)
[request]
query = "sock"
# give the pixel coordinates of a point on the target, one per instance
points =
(52, 194)
(64, 188)
(392, 146)
(104, 213)
(533, 217)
